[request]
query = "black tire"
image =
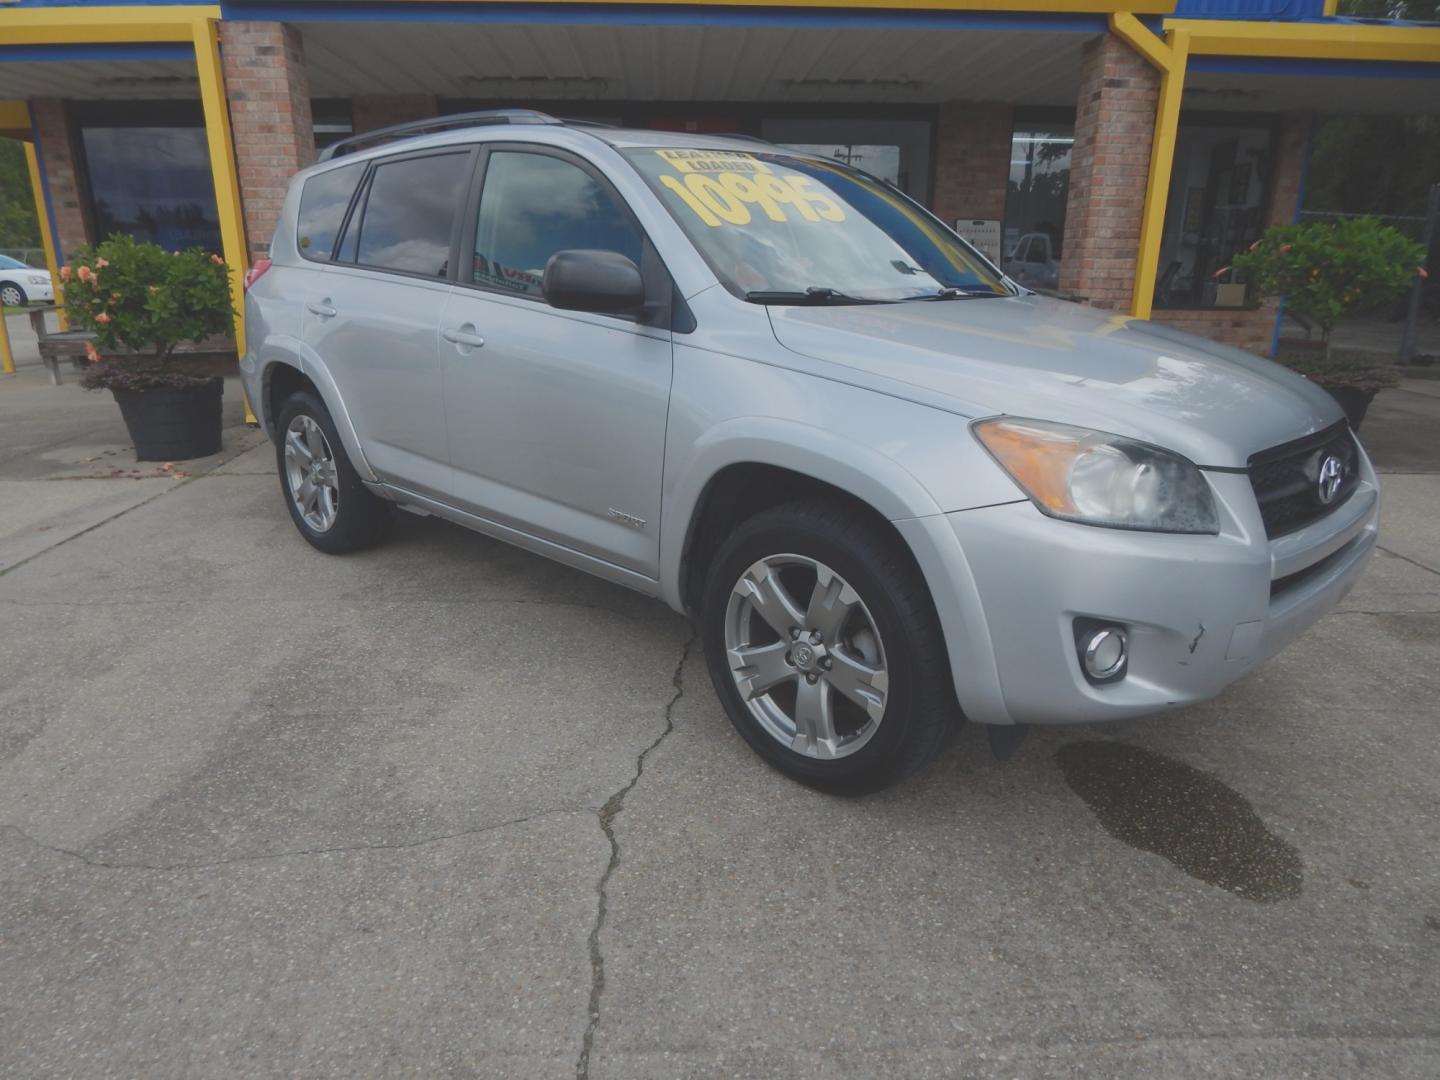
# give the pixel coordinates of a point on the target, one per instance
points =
(362, 518)
(920, 712)
(9, 300)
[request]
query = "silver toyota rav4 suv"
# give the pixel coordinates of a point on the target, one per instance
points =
(891, 487)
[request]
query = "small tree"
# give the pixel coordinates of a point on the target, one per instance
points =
(142, 298)
(1329, 269)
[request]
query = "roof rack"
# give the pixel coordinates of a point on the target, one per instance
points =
(436, 124)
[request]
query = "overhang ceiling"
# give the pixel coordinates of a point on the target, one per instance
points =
(692, 63)
(1325, 94)
(98, 79)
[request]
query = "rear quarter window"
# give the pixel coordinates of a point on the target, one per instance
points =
(323, 202)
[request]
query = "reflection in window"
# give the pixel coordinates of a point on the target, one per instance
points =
(323, 203)
(1215, 210)
(409, 214)
(152, 183)
(1035, 204)
(534, 205)
(881, 161)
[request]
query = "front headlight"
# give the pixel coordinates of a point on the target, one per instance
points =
(1099, 479)
(39, 279)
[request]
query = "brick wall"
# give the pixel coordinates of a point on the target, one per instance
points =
(57, 149)
(972, 160)
(269, 92)
(1109, 163)
(369, 113)
(1253, 329)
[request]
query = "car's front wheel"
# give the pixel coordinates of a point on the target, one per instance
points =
(329, 504)
(825, 649)
(12, 295)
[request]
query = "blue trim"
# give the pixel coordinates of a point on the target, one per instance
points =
(655, 15)
(1300, 190)
(1357, 69)
(45, 193)
(27, 54)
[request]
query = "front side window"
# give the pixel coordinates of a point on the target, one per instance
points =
(772, 225)
(410, 213)
(534, 205)
(323, 202)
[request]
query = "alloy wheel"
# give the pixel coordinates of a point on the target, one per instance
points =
(806, 656)
(310, 473)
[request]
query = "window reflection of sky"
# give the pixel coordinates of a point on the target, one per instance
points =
(152, 183)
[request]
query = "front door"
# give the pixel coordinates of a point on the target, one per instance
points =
(556, 418)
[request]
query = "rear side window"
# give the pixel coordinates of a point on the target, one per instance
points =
(410, 212)
(323, 202)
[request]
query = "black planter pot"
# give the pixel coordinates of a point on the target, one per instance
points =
(1354, 401)
(173, 423)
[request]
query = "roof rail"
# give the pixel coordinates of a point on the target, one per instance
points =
(435, 124)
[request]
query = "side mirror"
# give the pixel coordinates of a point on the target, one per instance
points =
(604, 282)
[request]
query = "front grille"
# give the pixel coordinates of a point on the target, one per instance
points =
(1286, 478)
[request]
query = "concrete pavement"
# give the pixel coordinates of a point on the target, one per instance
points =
(446, 809)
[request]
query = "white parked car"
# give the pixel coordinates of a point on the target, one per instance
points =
(21, 284)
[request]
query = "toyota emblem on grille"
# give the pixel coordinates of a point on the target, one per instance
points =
(1332, 476)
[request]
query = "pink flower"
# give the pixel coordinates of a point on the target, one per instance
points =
(154, 289)
(64, 273)
(102, 318)
(217, 260)
(90, 353)
(100, 264)
(1285, 249)
(84, 273)
(1424, 274)
(1222, 271)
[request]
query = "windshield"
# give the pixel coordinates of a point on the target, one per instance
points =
(778, 228)
(7, 263)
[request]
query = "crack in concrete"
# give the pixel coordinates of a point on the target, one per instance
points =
(339, 849)
(1406, 558)
(607, 815)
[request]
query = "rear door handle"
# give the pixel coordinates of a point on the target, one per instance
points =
(323, 309)
(463, 335)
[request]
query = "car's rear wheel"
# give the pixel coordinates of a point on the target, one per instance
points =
(825, 649)
(12, 295)
(329, 504)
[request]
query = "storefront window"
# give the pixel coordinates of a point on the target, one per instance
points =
(1216, 209)
(1034, 230)
(148, 176)
(894, 150)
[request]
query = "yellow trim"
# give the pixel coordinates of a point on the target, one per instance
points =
(222, 170)
(1330, 8)
(1310, 41)
(47, 239)
(14, 120)
(1135, 34)
(1068, 7)
(101, 25)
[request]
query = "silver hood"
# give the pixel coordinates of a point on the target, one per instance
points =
(1053, 360)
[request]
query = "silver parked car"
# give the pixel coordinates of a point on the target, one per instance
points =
(891, 487)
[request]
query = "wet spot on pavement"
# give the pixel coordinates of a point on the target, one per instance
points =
(1156, 804)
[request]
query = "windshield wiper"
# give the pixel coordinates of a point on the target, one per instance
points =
(950, 292)
(815, 294)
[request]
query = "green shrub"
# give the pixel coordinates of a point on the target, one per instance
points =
(142, 298)
(1328, 269)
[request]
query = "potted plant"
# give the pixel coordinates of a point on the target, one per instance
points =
(140, 302)
(1326, 270)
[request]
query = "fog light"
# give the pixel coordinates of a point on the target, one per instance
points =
(1104, 649)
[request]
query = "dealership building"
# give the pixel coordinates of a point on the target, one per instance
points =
(1112, 151)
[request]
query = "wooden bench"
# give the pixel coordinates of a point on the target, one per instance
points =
(213, 355)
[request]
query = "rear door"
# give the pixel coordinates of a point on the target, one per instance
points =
(556, 418)
(373, 314)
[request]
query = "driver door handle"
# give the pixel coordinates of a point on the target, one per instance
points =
(463, 335)
(323, 309)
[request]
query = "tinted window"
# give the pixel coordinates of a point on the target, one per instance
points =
(323, 202)
(7, 263)
(409, 213)
(533, 206)
(152, 183)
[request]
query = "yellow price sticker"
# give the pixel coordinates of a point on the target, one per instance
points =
(720, 187)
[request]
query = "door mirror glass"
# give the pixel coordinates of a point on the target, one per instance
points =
(603, 282)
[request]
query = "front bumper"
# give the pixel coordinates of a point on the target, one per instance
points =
(1201, 611)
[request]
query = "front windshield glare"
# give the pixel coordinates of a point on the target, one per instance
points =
(770, 224)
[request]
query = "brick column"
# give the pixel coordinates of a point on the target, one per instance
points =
(1109, 164)
(269, 93)
(972, 160)
(369, 113)
(62, 176)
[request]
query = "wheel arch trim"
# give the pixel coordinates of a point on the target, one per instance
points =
(293, 353)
